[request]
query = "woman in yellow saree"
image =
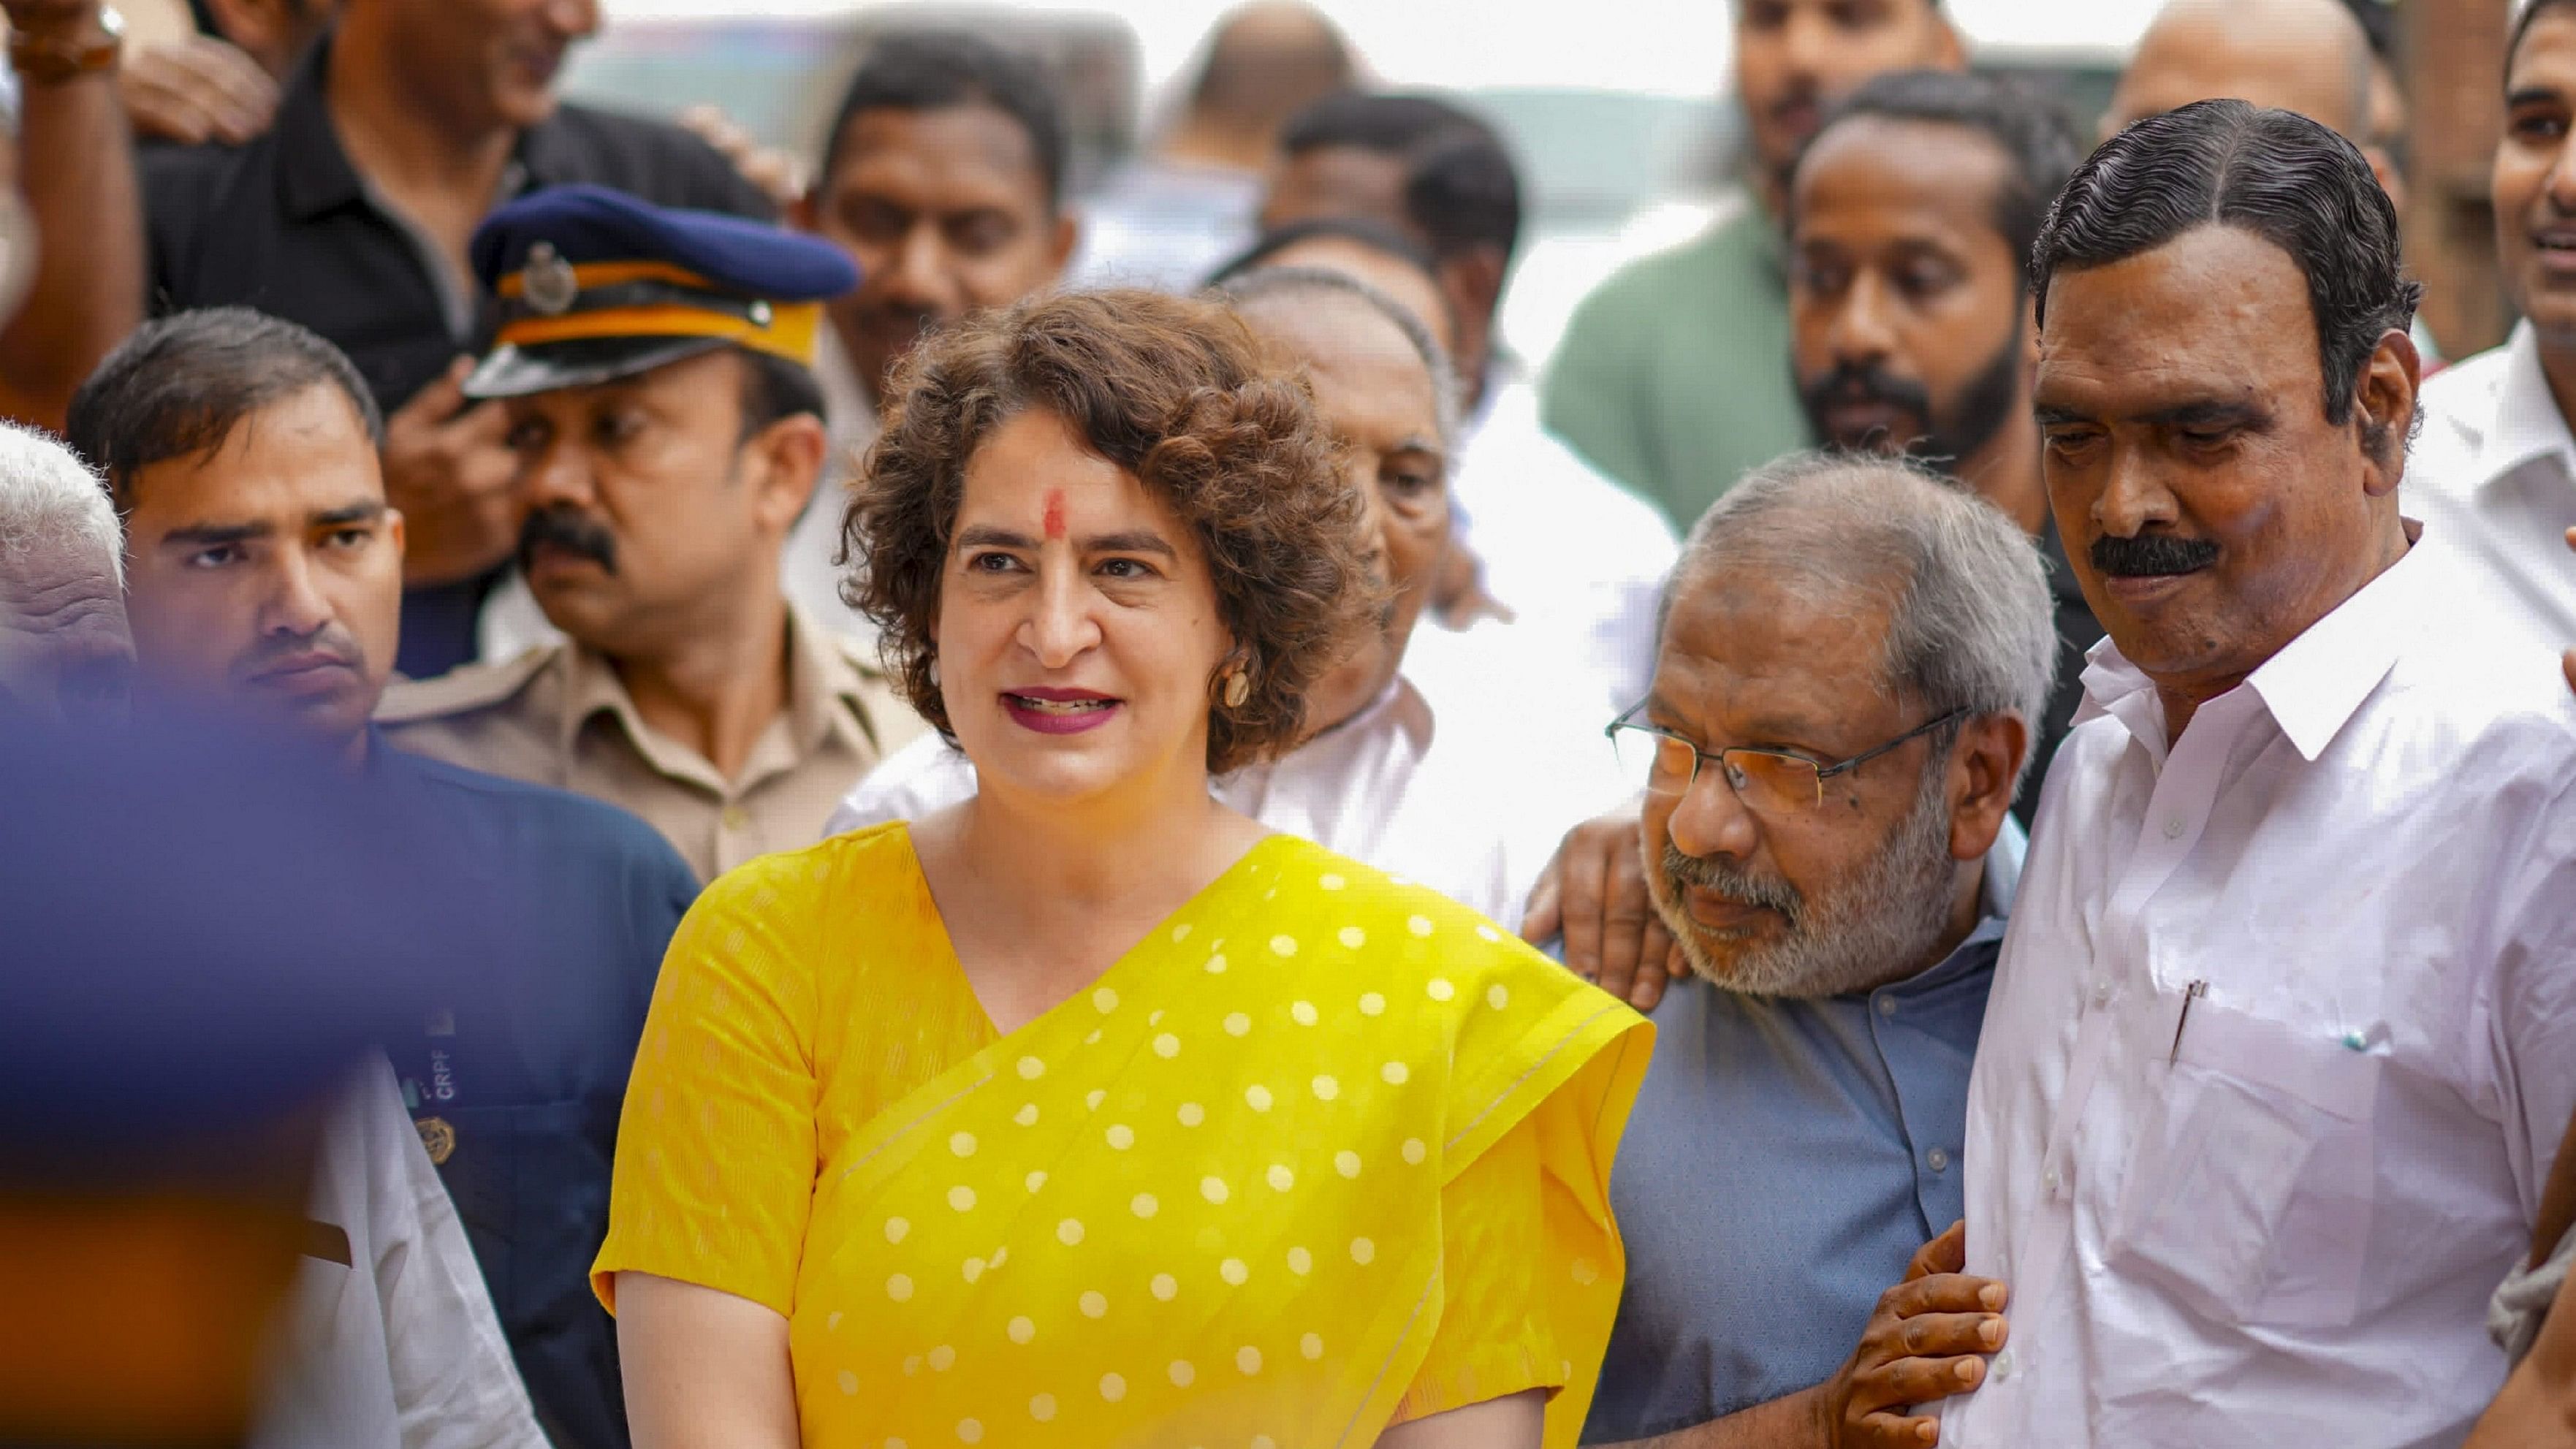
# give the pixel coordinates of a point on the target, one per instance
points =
(1087, 1113)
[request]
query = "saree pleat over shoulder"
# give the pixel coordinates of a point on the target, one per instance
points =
(1323, 1152)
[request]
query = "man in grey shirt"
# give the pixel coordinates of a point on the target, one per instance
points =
(1854, 655)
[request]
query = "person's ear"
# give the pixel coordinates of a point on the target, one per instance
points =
(1068, 235)
(2383, 410)
(1949, 52)
(784, 463)
(1985, 765)
(394, 533)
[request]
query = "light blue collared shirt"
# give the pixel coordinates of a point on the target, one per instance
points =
(1785, 1160)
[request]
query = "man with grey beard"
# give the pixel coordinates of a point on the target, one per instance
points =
(1853, 655)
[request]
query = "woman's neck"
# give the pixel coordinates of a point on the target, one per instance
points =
(1041, 896)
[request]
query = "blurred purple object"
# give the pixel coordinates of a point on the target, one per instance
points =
(198, 932)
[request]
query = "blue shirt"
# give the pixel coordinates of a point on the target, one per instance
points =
(1785, 1160)
(518, 1077)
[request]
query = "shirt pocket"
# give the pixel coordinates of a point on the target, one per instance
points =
(2250, 1188)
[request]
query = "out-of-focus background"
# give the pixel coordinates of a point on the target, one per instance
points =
(1617, 108)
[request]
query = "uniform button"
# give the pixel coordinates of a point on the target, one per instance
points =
(2173, 827)
(1887, 1006)
(736, 818)
(2101, 993)
(2049, 1181)
(2003, 1365)
(1939, 1159)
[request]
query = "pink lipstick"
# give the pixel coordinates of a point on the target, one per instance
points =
(1059, 711)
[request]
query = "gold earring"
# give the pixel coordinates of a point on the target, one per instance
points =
(1238, 688)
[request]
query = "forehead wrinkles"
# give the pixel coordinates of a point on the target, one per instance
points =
(2218, 309)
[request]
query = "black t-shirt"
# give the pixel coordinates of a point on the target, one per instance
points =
(285, 224)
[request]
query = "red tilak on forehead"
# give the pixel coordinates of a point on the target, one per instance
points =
(1055, 513)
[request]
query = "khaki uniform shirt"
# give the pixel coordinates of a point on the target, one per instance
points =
(558, 715)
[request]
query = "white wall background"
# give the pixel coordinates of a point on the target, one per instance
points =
(1672, 47)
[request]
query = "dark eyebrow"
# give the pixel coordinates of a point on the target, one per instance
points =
(985, 535)
(2049, 417)
(2530, 96)
(1430, 447)
(1143, 540)
(367, 512)
(214, 535)
(2210, 413)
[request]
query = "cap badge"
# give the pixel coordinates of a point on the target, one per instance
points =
(547, 282)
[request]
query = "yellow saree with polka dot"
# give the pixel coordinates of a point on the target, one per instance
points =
(1325, 1152)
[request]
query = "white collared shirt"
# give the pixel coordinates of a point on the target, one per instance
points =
(1579, 560)
(1470, 802)
(2493, 476)
(2287, 1235)
(398, 1347)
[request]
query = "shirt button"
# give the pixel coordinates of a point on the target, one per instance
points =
(2101, 993)
(1887, 1006)
(2173, 827)
(735, 818)
(2049, 1181)
(1939, 1159)
(2003, 1365)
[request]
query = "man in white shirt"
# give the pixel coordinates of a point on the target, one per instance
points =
(1575, 559)
(2494, 470)
(1461, 790)
(2284, 1031)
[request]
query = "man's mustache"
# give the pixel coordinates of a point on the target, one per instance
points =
(1867, 383)
(1710, 872)
(2151, 555)
(567, 529)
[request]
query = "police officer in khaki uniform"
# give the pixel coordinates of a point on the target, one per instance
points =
(656, 366)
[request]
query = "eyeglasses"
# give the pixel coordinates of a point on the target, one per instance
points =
(1769, 782)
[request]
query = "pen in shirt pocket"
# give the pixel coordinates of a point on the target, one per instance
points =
(2191, 993)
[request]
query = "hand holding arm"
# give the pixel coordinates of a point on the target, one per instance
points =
(1926, 1341)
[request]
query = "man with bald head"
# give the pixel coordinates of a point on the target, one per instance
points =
(2307, 56)
(1169, 217)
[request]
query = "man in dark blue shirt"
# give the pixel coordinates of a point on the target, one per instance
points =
(1854, 653)
(265, 578)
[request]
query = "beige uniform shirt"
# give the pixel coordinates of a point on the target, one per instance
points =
(558, 715)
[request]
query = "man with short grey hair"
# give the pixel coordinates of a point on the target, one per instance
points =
(1854, 657)
(65, 651)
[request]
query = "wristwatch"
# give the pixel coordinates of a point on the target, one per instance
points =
(42, 59)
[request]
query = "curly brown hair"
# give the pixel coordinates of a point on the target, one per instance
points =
(1183, 396)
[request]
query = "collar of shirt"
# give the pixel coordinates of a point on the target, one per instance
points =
(824, 700)
(315, 175)
(2311, 687)
(2526, 422)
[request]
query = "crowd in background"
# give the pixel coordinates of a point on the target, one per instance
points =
(940, 810)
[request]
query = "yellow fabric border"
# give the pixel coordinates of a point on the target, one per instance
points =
(791, 333)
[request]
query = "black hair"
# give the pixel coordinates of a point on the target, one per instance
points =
(2531, 11)
(1374, 235)
(178, 386)
(773, 389)
(1461, 190)
(2034, 135)
(933, 70)
(2281, 176)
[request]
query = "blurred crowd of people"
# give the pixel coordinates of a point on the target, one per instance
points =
(659, 792)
